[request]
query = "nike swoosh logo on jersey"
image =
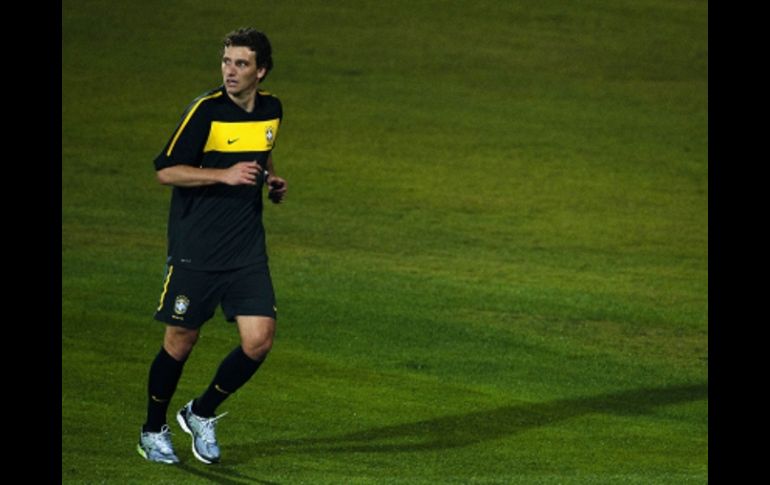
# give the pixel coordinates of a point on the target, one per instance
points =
(230, 142)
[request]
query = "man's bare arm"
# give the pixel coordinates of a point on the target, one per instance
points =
(242, 173)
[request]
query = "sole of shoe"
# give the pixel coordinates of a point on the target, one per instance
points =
(143, 454)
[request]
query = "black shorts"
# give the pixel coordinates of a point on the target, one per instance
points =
(189, 298)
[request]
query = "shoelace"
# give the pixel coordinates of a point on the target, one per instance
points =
(207, 427)
(164, 439)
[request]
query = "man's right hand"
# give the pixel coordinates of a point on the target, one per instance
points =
(242, 173)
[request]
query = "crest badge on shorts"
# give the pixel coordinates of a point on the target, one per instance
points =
(180, 304)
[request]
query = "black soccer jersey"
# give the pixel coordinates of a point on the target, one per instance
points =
(219, 227)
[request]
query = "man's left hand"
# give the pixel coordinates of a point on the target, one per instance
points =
(277, 188)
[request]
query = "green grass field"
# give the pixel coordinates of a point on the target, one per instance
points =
(492, 266)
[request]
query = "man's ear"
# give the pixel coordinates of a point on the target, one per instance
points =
(261, 72)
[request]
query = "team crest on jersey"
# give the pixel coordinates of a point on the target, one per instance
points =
(180, 304)
(269, 135)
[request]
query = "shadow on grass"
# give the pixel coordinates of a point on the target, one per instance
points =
(221, 474)
(471, 428)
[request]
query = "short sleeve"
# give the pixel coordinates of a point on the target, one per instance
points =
(185, 147)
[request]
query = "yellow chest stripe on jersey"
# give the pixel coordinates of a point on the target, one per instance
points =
(246, 136)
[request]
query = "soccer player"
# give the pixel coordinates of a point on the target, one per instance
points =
(217, 161)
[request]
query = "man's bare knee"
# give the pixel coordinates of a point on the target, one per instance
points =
(256, 336)
(258, 348)
(179, 341)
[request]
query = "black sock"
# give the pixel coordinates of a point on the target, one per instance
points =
(165, 372)
(233, 372)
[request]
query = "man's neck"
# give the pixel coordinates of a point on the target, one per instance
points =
(245, 100)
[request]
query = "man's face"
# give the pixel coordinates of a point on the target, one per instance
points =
(239, 70)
